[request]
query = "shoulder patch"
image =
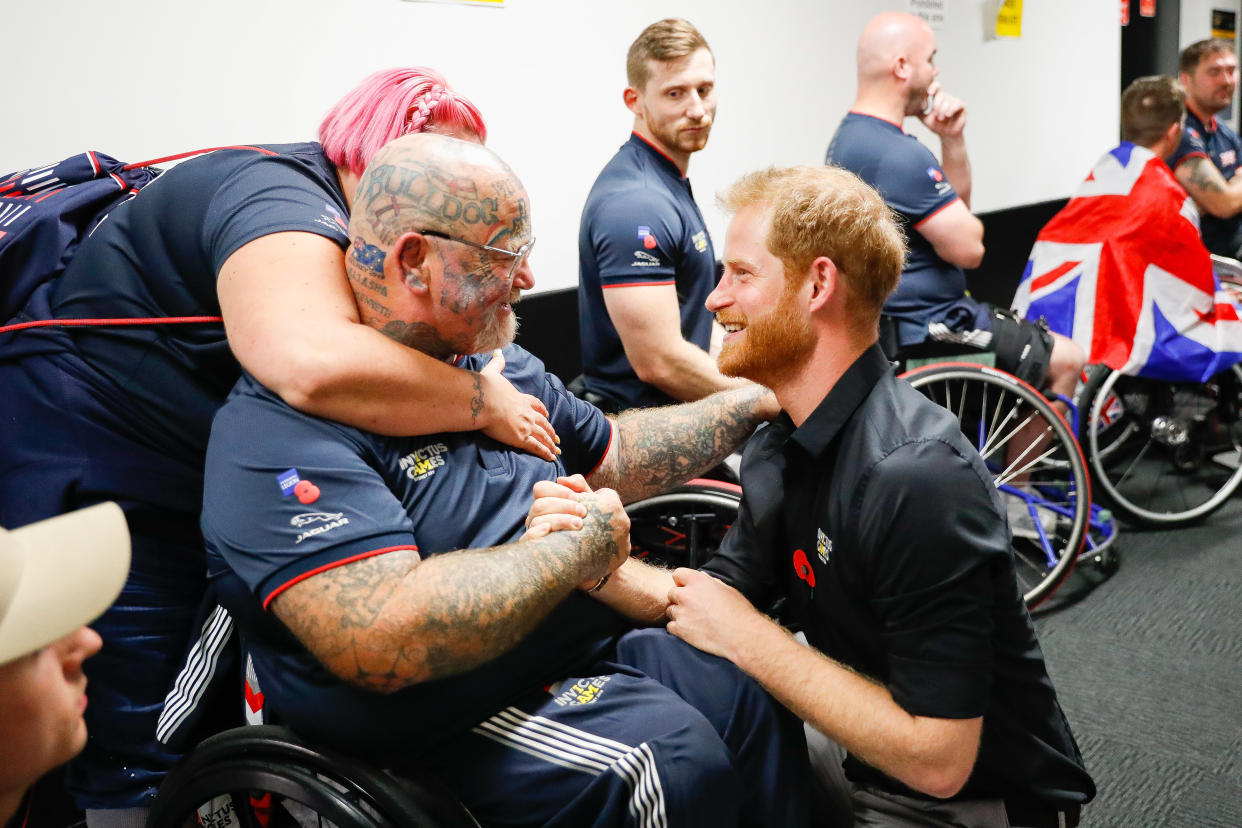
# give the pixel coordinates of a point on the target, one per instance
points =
(646, 237)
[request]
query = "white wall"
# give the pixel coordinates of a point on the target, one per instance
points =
(142, 78)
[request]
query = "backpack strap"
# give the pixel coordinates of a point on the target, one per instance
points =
(98, 165)
(150, 320)
(192, 153)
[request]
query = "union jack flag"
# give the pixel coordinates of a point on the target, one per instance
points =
(1122, 271)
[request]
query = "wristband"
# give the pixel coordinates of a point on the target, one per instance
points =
(600, 584)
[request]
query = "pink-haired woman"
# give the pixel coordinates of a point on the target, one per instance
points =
(90, 414)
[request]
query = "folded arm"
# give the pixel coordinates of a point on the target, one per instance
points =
(1205, 184)
(292, 323)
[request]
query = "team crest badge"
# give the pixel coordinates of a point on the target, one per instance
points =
(823, 546)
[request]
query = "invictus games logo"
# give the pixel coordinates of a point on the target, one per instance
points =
(823, 545)
(422, 463)
(699, 240)
(583, 691)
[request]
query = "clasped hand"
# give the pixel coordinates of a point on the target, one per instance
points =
(708, 613)
(568, 505)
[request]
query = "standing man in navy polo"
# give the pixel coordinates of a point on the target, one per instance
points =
(645, 260)
(897, 79)
(1206, 161)
(396, 605)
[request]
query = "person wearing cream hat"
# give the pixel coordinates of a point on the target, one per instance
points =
(55, 576)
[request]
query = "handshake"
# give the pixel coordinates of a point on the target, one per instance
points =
(569, 505)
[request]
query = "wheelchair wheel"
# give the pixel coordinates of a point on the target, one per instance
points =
(1035, 462)
(1162, 453)
(265, 777)
(683, 527)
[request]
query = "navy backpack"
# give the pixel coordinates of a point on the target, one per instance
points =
(46, 211)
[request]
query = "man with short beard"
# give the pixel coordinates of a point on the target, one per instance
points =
(1207, 159)
(395, 604)
(645, 259)
(896, 80)
(876, 522)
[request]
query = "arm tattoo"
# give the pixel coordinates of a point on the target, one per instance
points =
(660, 448)
(390, 620)
(1201, 175)
(476, 403)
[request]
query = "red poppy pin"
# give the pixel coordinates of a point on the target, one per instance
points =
(802, 567)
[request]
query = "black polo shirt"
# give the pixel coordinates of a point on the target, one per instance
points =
(882, 527)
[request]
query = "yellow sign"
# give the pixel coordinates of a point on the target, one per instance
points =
(1009, 19)
(1224, 24)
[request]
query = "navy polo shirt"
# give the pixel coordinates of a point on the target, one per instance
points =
(640, 226)
(288, 495)
(881, 527)
(910, 180)
(158, 255)
(1220, 145)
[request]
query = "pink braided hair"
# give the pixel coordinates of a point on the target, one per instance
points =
(389, 104)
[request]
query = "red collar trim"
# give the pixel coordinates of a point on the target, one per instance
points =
(661, 153)
(1209, 123)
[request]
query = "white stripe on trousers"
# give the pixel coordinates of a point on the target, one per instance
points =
(195, 676)
(585, 752)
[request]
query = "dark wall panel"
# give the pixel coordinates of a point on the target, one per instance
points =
(549, 330)
(1149, 45)
(1007, 239)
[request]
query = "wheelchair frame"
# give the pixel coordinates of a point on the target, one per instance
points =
(1038, 468)
(263, 776)
(1159, 450)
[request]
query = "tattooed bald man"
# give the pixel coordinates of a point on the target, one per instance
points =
(397, 605)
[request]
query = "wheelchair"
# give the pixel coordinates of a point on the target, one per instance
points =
(1164, 453)
(263, 776)
(1161, 453)
(683, 527)
(1036, 463)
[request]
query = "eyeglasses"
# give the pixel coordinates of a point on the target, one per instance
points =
(518, 256)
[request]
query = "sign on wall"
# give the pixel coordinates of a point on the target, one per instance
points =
(1009, 19)
(1224, 24)
(930, 10)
